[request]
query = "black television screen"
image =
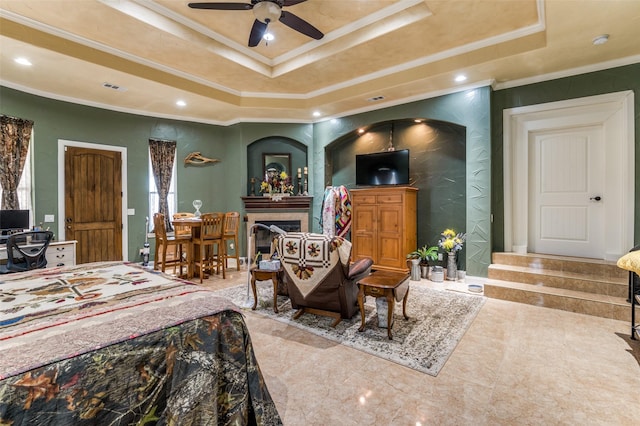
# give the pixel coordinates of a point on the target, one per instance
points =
(383, 168)
(14, 220)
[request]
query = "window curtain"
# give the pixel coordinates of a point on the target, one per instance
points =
(162, 155)
(15, 134)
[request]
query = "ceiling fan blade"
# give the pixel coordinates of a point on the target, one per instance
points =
(300, 25)
(292, 2)
(221, 6)
(257, 31)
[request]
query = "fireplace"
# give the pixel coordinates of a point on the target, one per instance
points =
(263, 236)
(291, 214)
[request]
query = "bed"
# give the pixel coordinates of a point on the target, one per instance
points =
(113, 343)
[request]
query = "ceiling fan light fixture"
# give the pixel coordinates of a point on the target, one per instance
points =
(268, 36)
(267, 11)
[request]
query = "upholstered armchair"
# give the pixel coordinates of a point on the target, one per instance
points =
(319, 275)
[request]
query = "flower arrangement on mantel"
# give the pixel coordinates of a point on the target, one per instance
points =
(450, 241)
(275, 183)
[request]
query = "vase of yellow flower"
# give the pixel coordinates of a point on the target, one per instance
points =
(451, 242)
(276, 184)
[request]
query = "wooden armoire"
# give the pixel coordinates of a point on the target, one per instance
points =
(384, 225)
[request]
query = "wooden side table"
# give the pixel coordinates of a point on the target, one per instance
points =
(264, 275)
(382, 284)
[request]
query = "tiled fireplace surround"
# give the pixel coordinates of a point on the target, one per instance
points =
(263, 209)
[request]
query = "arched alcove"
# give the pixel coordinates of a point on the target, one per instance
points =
(437, 167)
(279, 145)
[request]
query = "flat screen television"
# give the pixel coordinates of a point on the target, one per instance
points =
(14, 220)
(383, 168)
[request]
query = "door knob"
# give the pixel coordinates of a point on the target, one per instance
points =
(596, 198)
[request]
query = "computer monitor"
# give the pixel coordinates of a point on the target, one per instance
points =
(14, 220)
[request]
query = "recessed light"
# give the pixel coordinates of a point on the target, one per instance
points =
(181, 103)
(268, 36)
(601, 39)
(23, 61)
(316, 113)
(460, 78)
(417, 120)
(361, 131)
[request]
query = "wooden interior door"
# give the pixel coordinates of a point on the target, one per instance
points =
(93, 203)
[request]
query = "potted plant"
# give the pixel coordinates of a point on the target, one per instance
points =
(424, 255)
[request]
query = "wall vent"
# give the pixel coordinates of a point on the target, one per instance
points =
(114, 87)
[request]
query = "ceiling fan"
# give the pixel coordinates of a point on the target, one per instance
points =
(266, 11)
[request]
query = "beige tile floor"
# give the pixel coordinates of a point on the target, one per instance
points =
(516, 365)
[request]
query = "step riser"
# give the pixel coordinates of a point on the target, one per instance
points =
(539, 279)
(571, 304)
(586, 286)
(606, 271)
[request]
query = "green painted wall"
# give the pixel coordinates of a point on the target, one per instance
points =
(54, 120)
(220, 186)
(596, 83)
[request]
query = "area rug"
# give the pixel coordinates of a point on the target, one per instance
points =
(437, 321)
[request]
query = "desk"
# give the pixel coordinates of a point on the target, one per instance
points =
(388, 285)
(59, 253)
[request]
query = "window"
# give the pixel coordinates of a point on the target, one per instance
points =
(154, 197)
(24, 187)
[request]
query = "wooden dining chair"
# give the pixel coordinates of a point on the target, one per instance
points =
(231, 228)
(182, 229)
(208, 245)
(181, 245)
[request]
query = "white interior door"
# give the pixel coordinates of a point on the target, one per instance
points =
(566, 190)
(585, 148)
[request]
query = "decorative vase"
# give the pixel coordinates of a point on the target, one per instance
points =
(424, 271)
(415, 269)
(437, 274)
(452, 269)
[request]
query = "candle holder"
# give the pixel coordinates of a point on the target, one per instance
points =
(253, 186)
(306, 183)
(299, 186)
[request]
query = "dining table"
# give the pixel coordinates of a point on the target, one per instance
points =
(194, 223)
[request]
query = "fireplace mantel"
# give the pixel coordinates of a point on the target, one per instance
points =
(291, 202)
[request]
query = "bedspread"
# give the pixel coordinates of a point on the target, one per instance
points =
(112, 343)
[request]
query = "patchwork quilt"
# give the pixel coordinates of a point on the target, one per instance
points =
(308, 258)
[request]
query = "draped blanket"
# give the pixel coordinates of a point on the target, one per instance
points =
(308, 258)
(113, 343)
(336, 211)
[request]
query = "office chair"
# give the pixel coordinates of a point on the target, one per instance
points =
(26, 251)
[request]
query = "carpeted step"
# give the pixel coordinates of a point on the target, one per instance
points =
(599, 305)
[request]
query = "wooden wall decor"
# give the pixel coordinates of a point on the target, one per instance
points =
(197, 159)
